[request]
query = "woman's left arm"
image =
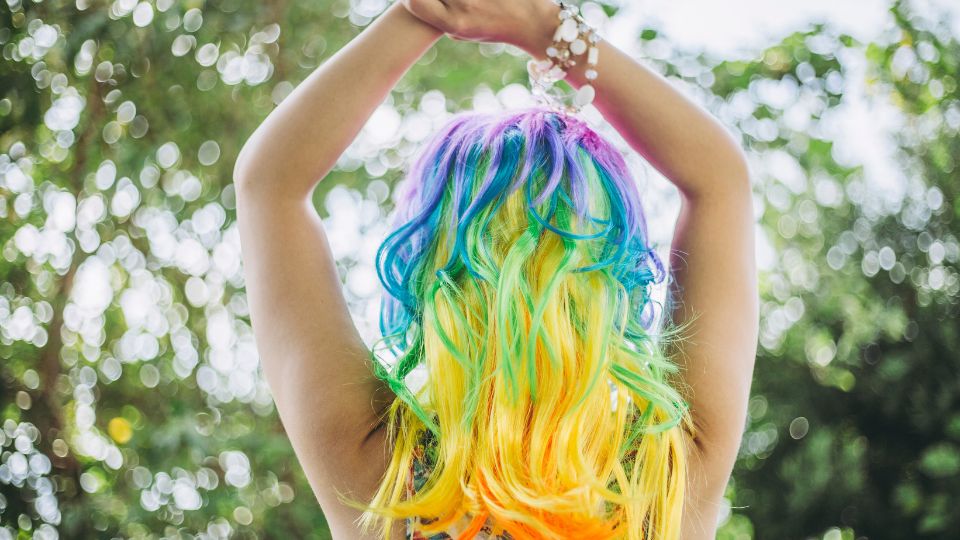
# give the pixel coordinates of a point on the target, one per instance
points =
(313, 358)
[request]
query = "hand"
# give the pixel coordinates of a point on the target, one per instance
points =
(527, 24)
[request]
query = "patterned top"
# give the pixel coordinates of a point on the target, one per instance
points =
(418, 476)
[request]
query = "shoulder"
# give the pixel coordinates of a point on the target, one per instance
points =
(707, 480)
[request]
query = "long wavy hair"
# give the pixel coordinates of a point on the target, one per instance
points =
(519, 275)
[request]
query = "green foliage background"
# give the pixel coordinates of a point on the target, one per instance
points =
(130, 401)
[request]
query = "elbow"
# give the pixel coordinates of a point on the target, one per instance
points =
(249, 172)
(241, 172)
(244, 168)
(740, 167)
(726, 178)
(733, 173)
(256, 170)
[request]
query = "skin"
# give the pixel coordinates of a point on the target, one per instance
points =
(313, 358)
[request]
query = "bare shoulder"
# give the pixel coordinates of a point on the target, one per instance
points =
(703, 501)
(357, 472)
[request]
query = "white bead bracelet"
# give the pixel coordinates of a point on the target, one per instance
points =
(572, 38)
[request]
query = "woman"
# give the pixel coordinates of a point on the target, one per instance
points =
(518, 274)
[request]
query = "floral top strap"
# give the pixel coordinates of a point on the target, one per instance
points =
(419, 469)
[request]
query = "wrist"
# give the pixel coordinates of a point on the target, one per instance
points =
(537, 35)
(399, 12)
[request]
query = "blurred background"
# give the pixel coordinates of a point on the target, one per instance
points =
(129, 390)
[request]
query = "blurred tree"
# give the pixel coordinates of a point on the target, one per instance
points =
(131, 403)
(855, 422)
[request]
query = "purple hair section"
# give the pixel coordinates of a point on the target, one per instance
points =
(466, 171)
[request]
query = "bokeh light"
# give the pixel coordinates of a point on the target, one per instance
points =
(132, 399)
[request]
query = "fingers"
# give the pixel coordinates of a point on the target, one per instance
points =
(432, 12)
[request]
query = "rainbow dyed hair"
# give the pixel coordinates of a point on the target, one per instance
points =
(519, 275)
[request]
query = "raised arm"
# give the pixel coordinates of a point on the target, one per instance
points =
(712, 253)
(712, 257)
(312, 356)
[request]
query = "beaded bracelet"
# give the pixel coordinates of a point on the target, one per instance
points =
(572, 38)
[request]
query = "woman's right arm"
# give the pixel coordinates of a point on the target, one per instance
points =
(712, 254)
